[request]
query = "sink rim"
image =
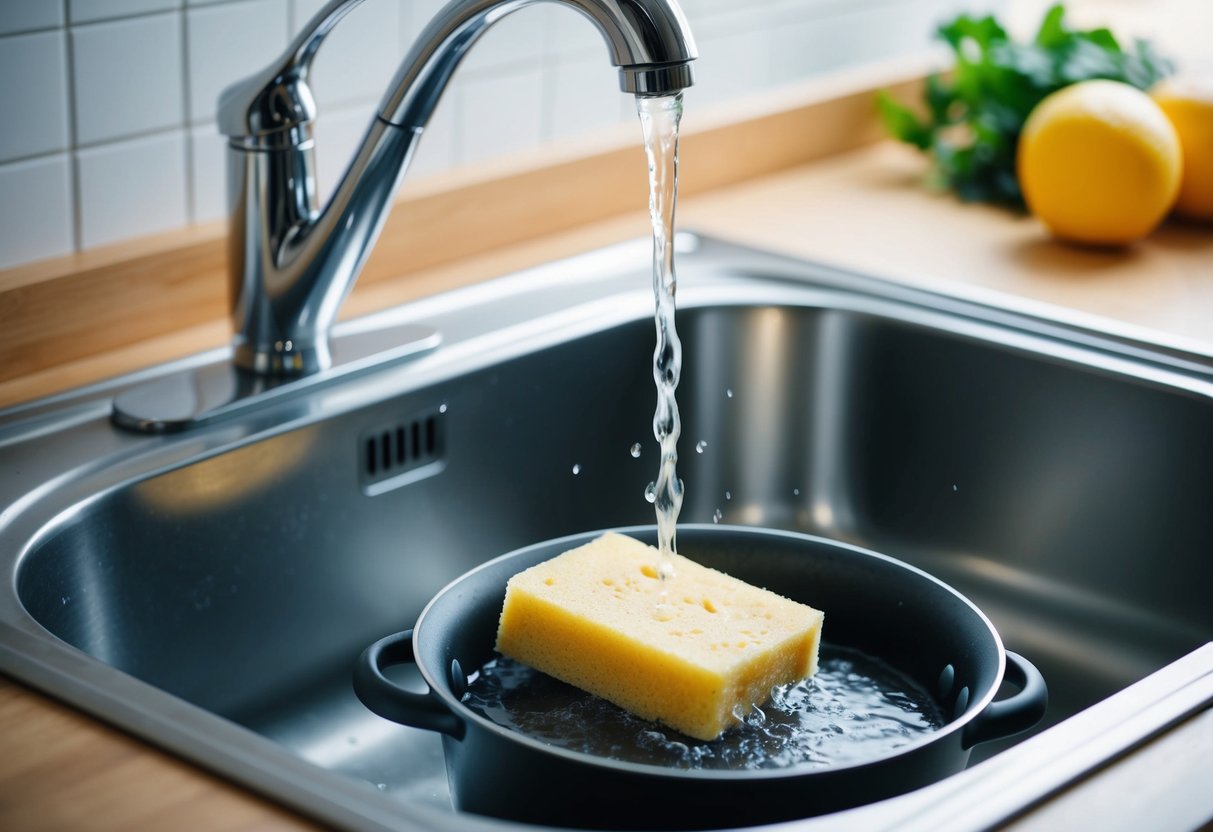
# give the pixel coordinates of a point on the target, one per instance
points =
(30, 653)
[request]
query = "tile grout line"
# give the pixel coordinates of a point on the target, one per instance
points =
(179, 9)
(191, 186)
(73, 167)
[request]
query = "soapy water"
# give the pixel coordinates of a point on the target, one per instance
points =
(856, 708)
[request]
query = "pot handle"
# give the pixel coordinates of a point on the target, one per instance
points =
(389, 700)
(1017, 713)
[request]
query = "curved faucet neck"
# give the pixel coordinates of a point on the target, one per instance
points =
(292, 264)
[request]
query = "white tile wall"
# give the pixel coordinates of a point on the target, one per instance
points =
(227, 42)
(85, 11)
(29, 15)
(569, 31)
(208, 173)
(34, 111)
(499, 113)
(337, 136)
(131, 188)
(582, 97)
(735, 54)
(126, 76)
(436, 149)
(515, 42)
(359, 57)
(35, 209)
(108, 131)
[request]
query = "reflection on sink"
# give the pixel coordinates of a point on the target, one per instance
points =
(215, 586)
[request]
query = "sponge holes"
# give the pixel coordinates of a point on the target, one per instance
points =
(706, 603)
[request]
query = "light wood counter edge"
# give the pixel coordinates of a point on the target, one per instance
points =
(61, 770)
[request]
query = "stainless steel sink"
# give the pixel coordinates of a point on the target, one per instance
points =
(210, 589)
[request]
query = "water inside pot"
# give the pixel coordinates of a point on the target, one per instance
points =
(856, 708)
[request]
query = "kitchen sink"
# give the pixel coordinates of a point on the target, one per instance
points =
(210, 589)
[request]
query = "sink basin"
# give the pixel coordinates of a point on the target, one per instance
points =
(210, 589)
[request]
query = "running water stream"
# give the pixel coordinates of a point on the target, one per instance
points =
(659, 118)
(855, 707)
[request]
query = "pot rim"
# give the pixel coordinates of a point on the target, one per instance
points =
(439, 686)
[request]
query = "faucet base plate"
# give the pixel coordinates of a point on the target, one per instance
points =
(193, 397)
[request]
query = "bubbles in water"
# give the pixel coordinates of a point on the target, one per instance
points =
(700, 446)
(635, 451)
(650, 492)
(717, 516)
(856, 708)
(442, 408)
(729, 392)
(576, 469)
(796, 492)
(954, 487)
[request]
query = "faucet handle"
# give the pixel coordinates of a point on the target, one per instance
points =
(270, 106)
(267, 106)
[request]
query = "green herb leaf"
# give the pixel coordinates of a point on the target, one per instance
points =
(973, 119)
(902, 123)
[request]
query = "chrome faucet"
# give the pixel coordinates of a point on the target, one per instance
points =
(291, 264)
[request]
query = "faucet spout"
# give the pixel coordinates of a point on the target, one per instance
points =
(292, 263)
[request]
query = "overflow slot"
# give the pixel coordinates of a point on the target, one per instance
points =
(401, 452)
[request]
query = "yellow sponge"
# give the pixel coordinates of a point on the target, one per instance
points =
(590, 617)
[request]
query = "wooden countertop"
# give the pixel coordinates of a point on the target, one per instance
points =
(868, 210)
(864, 209)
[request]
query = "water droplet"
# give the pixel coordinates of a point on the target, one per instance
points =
(954, 487)
(700, 446)
(635, 451)
(717, 515)
(441, 409)
(665, 570)
(796, 492)
(381, 786)
(650, 492)
(728, 495)
(663, 612)
(729, 392)
(576, 469)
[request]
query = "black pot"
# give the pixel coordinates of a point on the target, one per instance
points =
(873, 603)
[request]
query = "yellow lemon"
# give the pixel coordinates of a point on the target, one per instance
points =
(1099, 163)
(1188, 103)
